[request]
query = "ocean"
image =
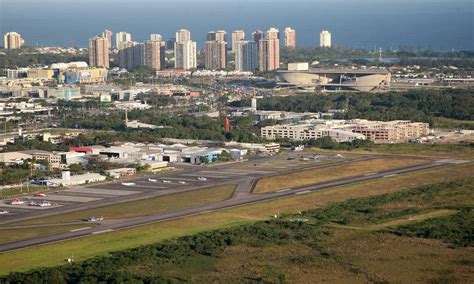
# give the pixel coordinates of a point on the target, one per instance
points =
(369, 24)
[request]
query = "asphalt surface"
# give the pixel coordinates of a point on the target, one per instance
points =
(243, 197)
(217, 176)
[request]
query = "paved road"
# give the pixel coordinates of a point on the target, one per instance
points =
(243, 200)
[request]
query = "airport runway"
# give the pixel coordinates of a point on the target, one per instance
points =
(240, 200)
(101, 195)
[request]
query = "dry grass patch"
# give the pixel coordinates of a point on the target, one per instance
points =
(384, 257)
(309, 177)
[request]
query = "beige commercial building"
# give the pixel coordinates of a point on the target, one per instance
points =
(41, 74)
(99, 52)
(290, 38)
(348, 130)
(300, 132)
(12, 40)
(391, 131)
(215, 55)
(237, 36)
(53, 159)
(16, 157)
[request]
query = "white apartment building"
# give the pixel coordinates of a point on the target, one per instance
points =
(185, 55)
(325, 39)
(246, 56)
(122, 37)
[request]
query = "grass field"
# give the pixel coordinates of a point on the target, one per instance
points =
(439, 151)
(401, 221)
(19, 191)
(54, 254)
(142, 207)
(331, 173)
(9, 235)
(383, 257)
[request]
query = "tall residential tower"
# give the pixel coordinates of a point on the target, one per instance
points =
(325, 39)
(246, 56)
(184, 50)
(237, 36)
(108, 35)
(99, 52)
(12, 40)
(290, 38)
(215, 54)
(269, 51)
(121, 37)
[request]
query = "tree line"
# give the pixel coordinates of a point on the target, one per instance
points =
(420, 105)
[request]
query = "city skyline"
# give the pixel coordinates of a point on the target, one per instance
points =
(371, 28)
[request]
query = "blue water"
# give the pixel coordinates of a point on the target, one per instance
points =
(370, 24)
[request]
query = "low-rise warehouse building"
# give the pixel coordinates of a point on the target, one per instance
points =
(121, 172)
(68, 180)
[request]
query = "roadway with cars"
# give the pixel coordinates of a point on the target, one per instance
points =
(239, 199)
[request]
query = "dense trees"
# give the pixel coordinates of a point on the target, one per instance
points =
(413, 105)
(20, 58)
(35, 144)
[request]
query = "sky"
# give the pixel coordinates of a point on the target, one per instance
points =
(427, 24)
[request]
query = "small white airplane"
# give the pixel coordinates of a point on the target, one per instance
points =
(17, 201)
(181, 182)
(128, 183)
(152, 180)
(4, 212)
(166, 181)
(95, 219)
(41, 204)
(202, 178)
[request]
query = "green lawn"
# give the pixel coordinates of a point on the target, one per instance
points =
(10, 235)
(80, 249)
(142, 207)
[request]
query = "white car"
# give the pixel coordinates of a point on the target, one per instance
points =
(128, 183)
(166, 181)
(202, 178)
(4, 212)
(181, 182)
(152, 180)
